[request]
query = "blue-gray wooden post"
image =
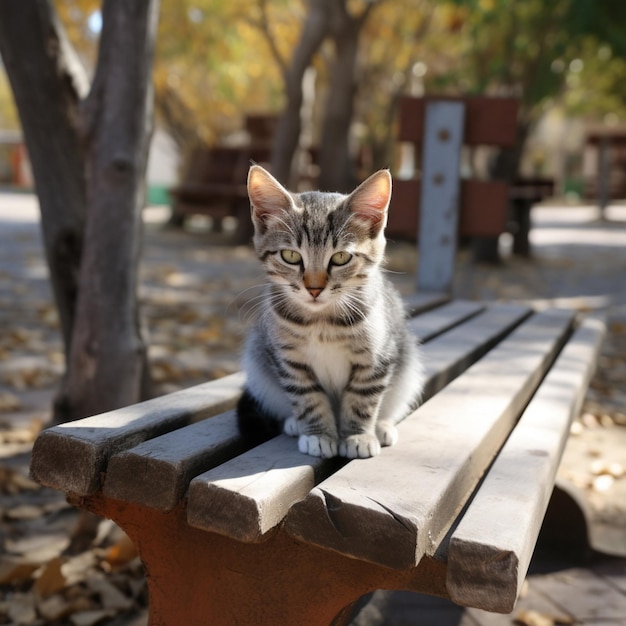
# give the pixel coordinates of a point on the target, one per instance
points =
(439, 202)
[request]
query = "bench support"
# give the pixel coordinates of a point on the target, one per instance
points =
(279, 581)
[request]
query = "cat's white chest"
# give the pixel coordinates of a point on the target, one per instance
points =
(331, 364)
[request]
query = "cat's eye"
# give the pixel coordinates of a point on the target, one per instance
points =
(291, 256)
(340, 258)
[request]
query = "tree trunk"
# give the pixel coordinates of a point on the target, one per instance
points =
(108, 357)
(35, 53)
(91, 154)
(315, 30)
(336, 167)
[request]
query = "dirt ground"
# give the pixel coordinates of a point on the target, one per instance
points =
(193, 286)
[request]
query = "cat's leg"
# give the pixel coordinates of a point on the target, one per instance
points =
(402, 396)
(360, 406)
(313, 422)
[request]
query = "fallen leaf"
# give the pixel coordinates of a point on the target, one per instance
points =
(576, 429)
(606, 421)
(76, 569)
(90, 618)
(110, 596)
(51, 580)
(533, 618)
(603, 482)
(54, 608)
(22, 609)
(24, 512)
(9, 402)
(12, 481)
(121, 552)
(16, 570)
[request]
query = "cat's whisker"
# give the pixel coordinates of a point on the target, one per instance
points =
(238, 295)
(345, 225)
(285, 224)
(388, 271)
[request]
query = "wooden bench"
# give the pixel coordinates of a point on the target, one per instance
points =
(214, 182)
(215, 185)
(431, 192)
(523, 194)
(232, 535)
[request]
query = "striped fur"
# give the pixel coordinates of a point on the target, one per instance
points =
(329, 359)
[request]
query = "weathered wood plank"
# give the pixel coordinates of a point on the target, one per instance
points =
(421, 302)
(490, 550)
(71, 457)
(433, 323)
(439, 202)
(463, 345)
(250, 494)
(394, 508)
(157, 472)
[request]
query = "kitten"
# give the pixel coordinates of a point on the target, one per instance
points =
(330, 359)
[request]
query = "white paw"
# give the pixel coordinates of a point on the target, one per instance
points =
(317, 445)
(290, 427)
(360, 446)
(387, 433)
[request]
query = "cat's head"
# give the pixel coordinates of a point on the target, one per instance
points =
(321, 246)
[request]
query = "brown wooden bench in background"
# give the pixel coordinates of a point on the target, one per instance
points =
(215, 185)
(485, 208)
(231, 534)
(214, 182)
(524, 193)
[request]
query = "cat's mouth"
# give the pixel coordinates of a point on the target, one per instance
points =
(313, 301)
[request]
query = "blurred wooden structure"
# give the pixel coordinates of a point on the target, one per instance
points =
(605, 155)
(435, 205)
(214, 183)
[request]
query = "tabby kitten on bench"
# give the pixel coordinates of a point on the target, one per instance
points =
(330, 359)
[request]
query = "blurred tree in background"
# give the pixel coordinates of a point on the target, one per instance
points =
(218, 61)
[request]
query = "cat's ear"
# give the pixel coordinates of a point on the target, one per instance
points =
(267, 196)
(370, 200)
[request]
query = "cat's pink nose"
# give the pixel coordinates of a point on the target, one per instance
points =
(314, 291)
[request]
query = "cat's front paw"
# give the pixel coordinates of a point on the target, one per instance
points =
(290, 427)
(360, 446)
(317, 445)
(387, 433)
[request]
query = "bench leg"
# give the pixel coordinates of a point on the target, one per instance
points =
(197, 578)
(521, 217)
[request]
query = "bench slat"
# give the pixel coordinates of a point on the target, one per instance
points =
(490, 550)
(433, 323)
(249, 495)
(421, 302)
(463, 345)
(394, 508)
(157, 472)
(71, 457)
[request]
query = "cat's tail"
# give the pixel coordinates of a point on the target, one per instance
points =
(255, 424)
